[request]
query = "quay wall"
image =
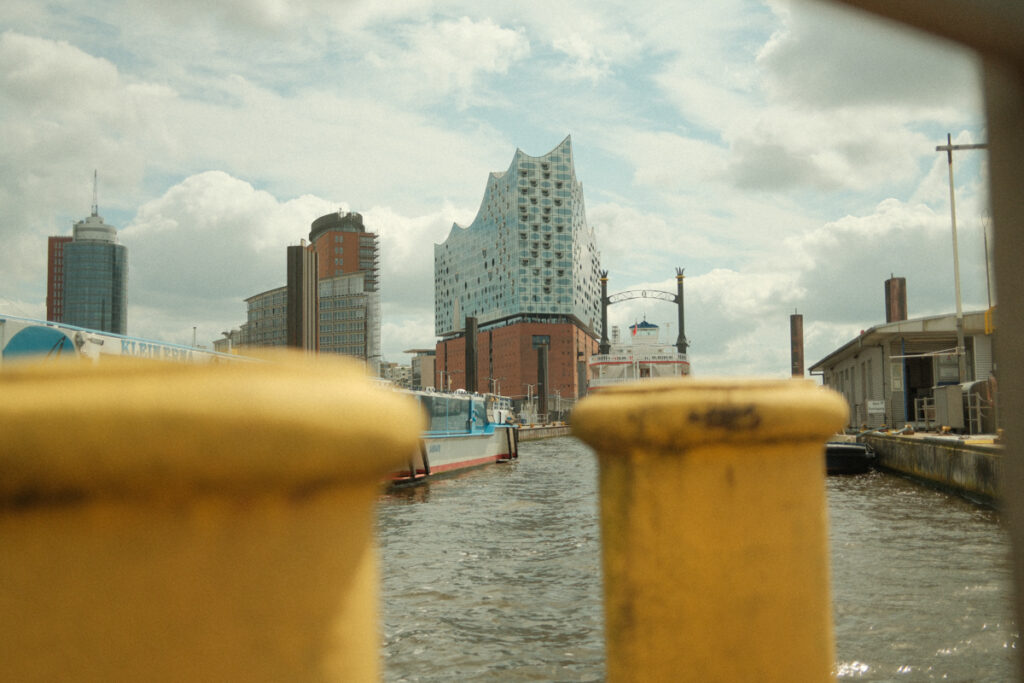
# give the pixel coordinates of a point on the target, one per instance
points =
(544, 432)
(972, 470)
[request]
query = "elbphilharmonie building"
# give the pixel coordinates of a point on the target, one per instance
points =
(528, 252)
(528, 257)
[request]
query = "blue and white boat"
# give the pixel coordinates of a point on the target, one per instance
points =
(464, 431)
(25, 338)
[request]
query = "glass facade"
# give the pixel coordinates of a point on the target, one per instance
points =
(95, 287)
(350, 316)
(528, 251)
(267, 319)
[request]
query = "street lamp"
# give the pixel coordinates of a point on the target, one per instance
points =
(961, 351)
(529, 398)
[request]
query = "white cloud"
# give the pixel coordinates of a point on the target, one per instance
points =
(407, 254)
(450, 58)
(208, 243)
(587, 61)
(826, 56)
(213, 240)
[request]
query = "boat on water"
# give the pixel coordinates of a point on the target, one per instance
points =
(641, 356)
(844, 455)
(464, 431)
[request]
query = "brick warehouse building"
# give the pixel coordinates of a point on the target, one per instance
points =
(527, 269)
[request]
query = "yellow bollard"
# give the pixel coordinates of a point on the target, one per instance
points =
(714, 532)
(167, 522)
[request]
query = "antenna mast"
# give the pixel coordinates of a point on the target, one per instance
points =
(95, 204)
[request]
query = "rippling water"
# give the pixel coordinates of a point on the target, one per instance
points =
(495, 575)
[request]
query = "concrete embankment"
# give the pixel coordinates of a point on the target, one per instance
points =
(543, 432)
(974, 470)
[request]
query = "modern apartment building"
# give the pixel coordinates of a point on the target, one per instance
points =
(330, 303)
(267, 315)
(527, 269)
(344, 246)
(348, 291)
(349, 316)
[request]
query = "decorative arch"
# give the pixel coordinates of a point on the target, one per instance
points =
(681, 341)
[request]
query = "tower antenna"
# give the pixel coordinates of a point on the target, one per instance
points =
(95, 203)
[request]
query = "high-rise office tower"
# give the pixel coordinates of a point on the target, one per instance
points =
(331, 303)
(348, 291)
(285, 316)
(527, 269)
(343, 246)
(87, 283)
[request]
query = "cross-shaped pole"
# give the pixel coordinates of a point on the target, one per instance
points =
(948, 148)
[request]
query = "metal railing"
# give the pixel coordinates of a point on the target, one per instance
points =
(924, 412)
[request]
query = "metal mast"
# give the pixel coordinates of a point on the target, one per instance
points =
(961, 351)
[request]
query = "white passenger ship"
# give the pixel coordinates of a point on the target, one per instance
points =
(641, 357)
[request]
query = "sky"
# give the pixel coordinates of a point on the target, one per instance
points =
(782, 152)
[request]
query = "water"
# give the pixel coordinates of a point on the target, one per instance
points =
(921, 583)
(494, 575)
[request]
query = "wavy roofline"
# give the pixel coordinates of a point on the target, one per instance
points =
(519, 155)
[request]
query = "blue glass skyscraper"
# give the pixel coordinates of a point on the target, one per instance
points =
(95, 277)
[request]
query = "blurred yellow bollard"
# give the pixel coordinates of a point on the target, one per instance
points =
(714, 530)
(170, 522)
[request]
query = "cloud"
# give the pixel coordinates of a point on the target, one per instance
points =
(407, 255)
(204, 246)
(848, 260)
(587, 61)
(213, 240)
(623, 232)
(830, 57)
(863, 149)
(450, 58)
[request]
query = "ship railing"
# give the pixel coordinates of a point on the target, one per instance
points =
(924, 412)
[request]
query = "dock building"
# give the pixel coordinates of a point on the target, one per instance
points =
(906, 371)
(527, 270)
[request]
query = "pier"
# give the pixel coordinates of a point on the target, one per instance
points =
(537, 432)
(969, 466)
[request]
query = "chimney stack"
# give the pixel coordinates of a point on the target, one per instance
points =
(472, 382)
(796, 342)
(895, 299)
